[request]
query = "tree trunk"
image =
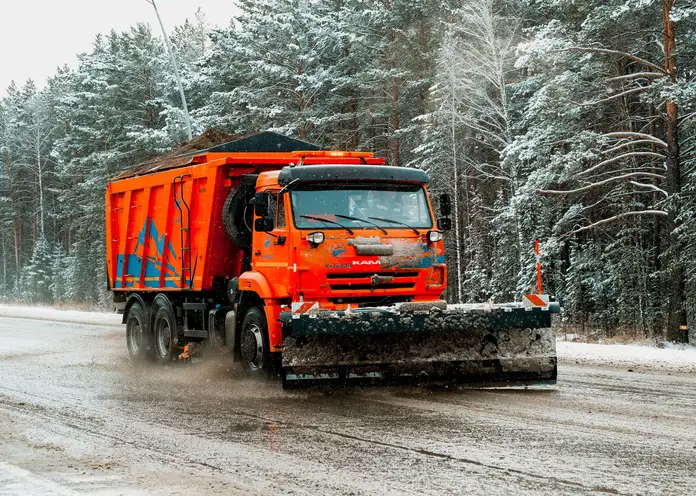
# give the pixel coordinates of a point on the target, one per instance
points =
(655, 286)
(39, 171)
(149, 111)
(676, 308)
(301, 106)
(395, 120)
(16, 217)
(4, 268)
(396, 125)
(354, 125)
(457, 220)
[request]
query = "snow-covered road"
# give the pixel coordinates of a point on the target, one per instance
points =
(76, 417)
(57, 315)
(673, 358)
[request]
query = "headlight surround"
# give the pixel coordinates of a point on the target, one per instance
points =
(316, 238)
(434, 236)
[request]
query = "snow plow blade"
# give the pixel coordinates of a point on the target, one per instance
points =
(477, 345)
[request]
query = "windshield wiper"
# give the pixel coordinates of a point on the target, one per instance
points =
(395, 222)
(362, 220)
(322, 219)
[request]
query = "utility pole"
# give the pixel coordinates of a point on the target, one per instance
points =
(176, 69)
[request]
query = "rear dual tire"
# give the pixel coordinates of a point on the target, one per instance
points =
(165, 336)
(138, 335)
(145, 344)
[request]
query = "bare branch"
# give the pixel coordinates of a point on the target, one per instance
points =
(621, 157)
(640, 75)
(630, 134)
(627, 144)
(626, 170)
(617, 217)
(687, 150)
(490, 175)
(614, 97)
(610, 195)
(599, 183)
(651, 186)
(497, 172)
(617, 52)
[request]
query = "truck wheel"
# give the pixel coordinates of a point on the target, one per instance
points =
(165, 336)
(237, 216)
(254, 343)
(138, 335)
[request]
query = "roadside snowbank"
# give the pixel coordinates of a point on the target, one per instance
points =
(48, 313)
(676, 358)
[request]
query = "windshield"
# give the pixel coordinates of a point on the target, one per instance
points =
(360, 206)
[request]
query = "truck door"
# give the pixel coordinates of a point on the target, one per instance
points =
(270, 249)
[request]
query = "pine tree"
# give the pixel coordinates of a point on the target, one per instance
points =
(37, 275)
(556, 120)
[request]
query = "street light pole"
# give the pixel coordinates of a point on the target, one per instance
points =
(176, 69)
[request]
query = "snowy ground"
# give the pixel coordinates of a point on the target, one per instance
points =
(54, 314)
(77, 416)
(673, 358)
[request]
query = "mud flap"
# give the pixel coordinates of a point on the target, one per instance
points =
(486, 347)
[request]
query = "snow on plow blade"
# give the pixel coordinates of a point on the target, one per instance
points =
(485, 345)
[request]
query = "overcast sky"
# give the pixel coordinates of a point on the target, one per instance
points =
(36, 36)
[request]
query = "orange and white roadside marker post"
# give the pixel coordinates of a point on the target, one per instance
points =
(538, 300)
(684, 329)
(538, 267)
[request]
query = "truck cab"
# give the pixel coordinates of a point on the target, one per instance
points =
(341, 237)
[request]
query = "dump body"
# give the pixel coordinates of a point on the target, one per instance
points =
(148, 245)
(165, 229)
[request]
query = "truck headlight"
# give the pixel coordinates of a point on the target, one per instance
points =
(316, 238)
(434, 236)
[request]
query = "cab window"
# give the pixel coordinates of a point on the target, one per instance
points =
(280, 221)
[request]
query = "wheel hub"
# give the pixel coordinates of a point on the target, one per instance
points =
(135, 335)
(164, 338)
(252, 346)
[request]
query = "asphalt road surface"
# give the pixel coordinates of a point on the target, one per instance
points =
(77, 417)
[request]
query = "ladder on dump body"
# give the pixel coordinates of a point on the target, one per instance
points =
(184, 214)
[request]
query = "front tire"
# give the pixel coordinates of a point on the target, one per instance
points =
(165, 336)
(138, 335)
(254, 344)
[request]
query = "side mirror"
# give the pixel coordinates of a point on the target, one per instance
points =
(261, 201)
(445, 205)
(264, 224)
(444, 224)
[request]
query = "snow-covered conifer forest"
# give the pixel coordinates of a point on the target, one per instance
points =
(572, 122)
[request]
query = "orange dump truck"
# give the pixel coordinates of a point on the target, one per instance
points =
(309, 264)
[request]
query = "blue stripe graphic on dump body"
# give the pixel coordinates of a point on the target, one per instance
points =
(132, 264)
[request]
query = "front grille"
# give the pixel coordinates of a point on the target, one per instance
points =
(368, 275)
(370, 281)
(371, 301)
(370, 287)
